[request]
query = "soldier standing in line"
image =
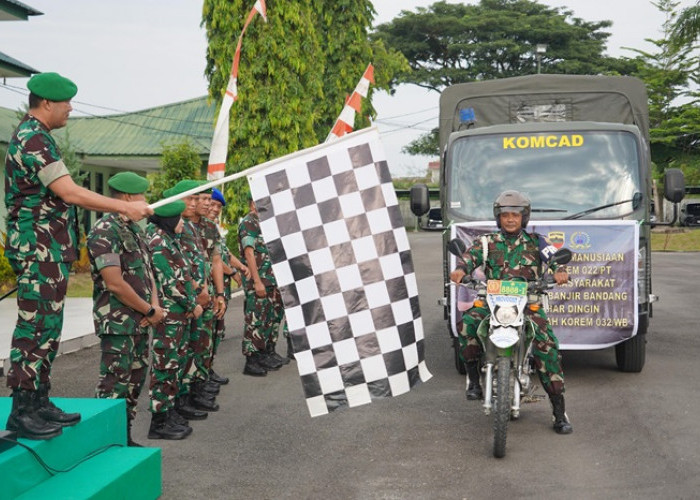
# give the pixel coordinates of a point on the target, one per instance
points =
(169, 346)
(40, 247)
(125, 298)
(194, 394)
(211, 242)
(231, 267)
(258, 308)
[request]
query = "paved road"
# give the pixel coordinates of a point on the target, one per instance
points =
(635, 435)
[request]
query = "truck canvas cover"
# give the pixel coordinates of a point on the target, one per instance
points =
(544, 98)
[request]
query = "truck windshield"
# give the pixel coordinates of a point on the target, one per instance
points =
(562, 173)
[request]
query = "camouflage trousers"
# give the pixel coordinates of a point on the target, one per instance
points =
(545, 346)
(123, 368)
(278, 311)
(260, 320)
(168, 361)
(219, 333)
(199, 350)
(41, 292)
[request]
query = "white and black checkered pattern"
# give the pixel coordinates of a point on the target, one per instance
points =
(340, 253)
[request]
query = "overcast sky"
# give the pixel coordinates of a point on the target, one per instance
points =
(127, 55)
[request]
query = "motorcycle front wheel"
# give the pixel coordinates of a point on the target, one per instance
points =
(501, 406)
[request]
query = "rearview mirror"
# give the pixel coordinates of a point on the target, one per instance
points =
(674, 185)
(563, 256)
(456, 247)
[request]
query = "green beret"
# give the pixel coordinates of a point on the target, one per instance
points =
(182, 186)
(171, 209)
(128, 182)
(52, 86)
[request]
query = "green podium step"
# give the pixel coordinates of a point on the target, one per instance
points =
(116, 472)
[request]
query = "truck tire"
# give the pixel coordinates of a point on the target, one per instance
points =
(631, 354)
(501, 407)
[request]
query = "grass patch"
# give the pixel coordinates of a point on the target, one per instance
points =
(80, 285)
(675, 240)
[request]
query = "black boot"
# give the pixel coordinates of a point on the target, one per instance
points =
(163, 427)
(211, 388)
(184, 408)
(290, 349)
(129, 441)
(270, 364)
(474, 391)
(216, 378)
(272, 354)
(177, 418)
(253, 367)
(52, 413)
(561, 423)
(25, 419)
(199, 399)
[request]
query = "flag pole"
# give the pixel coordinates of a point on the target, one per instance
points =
(249, 171)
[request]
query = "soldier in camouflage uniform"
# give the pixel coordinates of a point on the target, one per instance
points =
(231, 267)
(40, 247)
(194, 393)
(211, 241)
(513, 252)
(259, 315)
(126, 303)
(169, 346)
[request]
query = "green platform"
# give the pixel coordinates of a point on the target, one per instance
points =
(118, 472)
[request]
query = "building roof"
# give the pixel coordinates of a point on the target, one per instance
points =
(12, 10)
(11, 67)
(133, 140)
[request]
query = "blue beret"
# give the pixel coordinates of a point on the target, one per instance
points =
(52, 86)
(217, 195)
(128, 182)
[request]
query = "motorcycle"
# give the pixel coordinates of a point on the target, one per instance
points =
(505, 334)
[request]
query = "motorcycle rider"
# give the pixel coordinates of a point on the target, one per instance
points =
(513, 252)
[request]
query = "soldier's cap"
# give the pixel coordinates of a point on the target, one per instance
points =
(52, 86)
(217, 195)
(182, 186)
(171, 209)
(128, 182)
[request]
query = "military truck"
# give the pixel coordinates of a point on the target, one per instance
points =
(578, 146)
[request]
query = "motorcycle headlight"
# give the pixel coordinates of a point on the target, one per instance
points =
(505, 315)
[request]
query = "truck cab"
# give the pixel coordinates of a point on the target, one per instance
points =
(578, 146)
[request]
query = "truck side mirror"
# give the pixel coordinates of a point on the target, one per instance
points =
(674, 185)
(420, 200)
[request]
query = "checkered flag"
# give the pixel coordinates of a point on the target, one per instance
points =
(340, 253)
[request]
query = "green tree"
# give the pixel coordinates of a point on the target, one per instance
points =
(673, 115)
(449, 43)
(179, 161)
(686, 27)
(294, 74)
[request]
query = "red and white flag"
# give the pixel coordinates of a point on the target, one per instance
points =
(344, 123)
(219, 144)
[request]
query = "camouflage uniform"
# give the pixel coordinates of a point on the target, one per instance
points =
(198, 340)
(219, 324)
(40, 246)
(211, 242)
(509, 257)
(259, 313)
(114, 241)
(170, 339)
